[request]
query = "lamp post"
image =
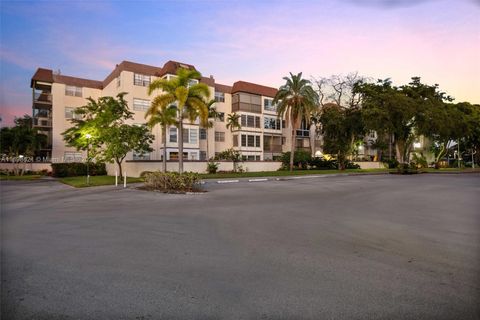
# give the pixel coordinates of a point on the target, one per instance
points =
(88, 136)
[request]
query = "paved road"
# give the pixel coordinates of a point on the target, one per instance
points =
(367, 247)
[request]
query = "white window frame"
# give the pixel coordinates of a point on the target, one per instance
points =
(141, 104)
(73, 91)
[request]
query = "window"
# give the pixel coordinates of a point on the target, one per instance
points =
(70, 113)
(141, 156)
(141, 104)
(220, 116)
(235, 140)
(203, 134)
(271, 123)
(250, 121)
(219, 136)
(174, 155)
(73, 91)
(203, 155)
(185, 136)
(193, 135)
(250, 141)
(219, 96)
(141, 80)
(268, 105)
(118, 81)
(192, 82)
(70, 156)
(173, 134)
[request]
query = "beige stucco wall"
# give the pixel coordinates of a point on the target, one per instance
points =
(59, 122)
(26, 166)
(135, 168)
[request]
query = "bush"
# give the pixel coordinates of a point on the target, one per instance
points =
(172, 181)
(212, 166)
(351, 165)
(72, 169)
(407, 168)
(301, 159)
(419, 160)
(323, 164)
(391, 163)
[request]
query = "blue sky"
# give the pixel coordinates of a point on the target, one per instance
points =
(256, 41)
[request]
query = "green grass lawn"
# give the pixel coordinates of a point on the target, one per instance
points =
(81, 182)
(25, 177)
(286, 173)
(433, 170)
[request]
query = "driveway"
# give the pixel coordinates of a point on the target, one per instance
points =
(354, 247)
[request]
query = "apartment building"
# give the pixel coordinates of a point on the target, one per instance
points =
(262, 135)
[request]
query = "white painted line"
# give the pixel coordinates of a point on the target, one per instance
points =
(257, 180)
(227, 181)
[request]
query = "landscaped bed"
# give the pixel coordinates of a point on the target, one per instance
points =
(81, 181)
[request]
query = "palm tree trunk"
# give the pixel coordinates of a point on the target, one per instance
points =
(164, 140)
(180, 145)
(206, 136)
(292, 151)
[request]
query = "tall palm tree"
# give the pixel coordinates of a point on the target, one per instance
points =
(233, 121)
(296, 100)
(209, 122)
(165, 116)
(189, 99)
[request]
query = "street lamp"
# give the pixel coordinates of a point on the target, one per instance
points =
(88, 136)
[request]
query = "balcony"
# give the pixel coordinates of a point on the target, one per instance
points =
(272, 148)
(45, 123)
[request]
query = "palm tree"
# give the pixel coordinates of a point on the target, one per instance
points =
(233, 121)
(189, 100)
(296, 100)
(209, 122)
(165, 116)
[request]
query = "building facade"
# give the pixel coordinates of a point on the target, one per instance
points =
(262, 136)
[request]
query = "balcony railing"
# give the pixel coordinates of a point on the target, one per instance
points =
(42, 122)
(42, 97)
(272, 148)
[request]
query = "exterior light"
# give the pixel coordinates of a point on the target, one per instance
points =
(88, 135)
(417, 145)
(360, 148)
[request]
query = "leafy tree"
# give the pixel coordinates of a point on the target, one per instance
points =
(399, 111)
(230, 155)
(296, 101)
(341, 127)
(165, 117)
(21, 140)
(233, 121)
(189, 99)
(103, 132)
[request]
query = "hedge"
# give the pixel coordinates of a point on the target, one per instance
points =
(72, 169)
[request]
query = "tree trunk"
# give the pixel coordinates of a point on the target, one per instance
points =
(180, 145)
(294, 140)
(400, 150)
(206, 136)
(119, 164)
(164, 140)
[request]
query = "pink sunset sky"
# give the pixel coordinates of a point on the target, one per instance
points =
(255, 41)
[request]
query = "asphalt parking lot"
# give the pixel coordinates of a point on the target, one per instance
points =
(356, 247)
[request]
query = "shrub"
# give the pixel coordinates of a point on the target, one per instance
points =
(212, 166)
(172, 181)
(391, 163)
(301, 159)
(419, 160)
(351, 165)
(144, 173)
(321, 163)
(72, 169)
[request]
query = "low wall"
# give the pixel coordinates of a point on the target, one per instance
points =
(135, 168)
(370, 164)
(27, 166)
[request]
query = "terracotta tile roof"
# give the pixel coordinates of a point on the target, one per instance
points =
(41, 74)
(248, 87)
(223, 88)
(79, 82)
